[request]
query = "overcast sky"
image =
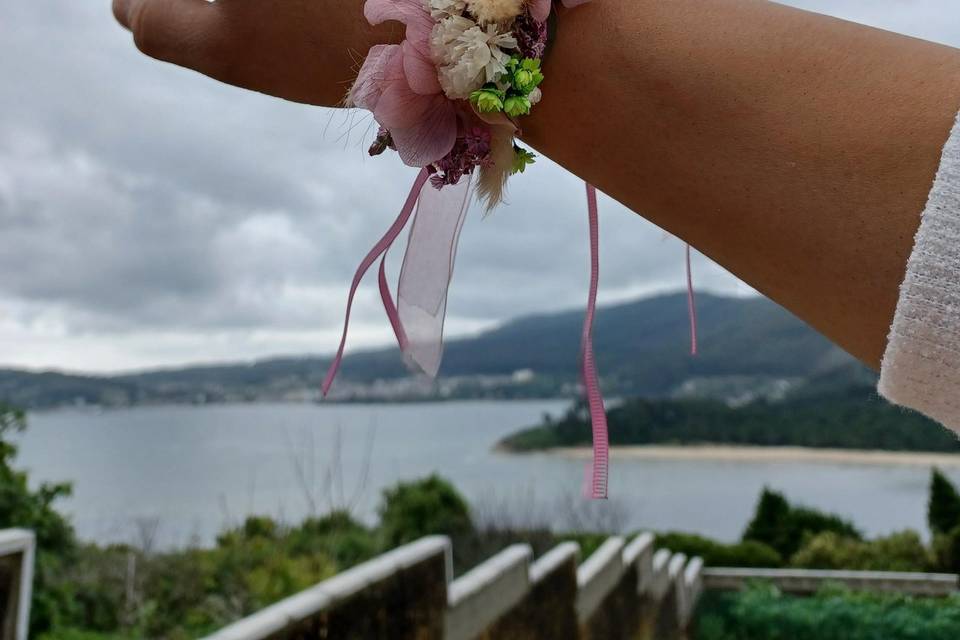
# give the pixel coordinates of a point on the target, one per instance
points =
(150, 216)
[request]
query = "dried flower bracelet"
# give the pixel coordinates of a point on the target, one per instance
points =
(448, 100)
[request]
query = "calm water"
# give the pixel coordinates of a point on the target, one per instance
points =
(195, 469)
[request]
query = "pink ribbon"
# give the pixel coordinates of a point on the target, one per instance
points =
(418, 317)
(378, 249)
(691, 306)
(598, 471)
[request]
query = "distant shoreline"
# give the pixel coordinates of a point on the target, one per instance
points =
(724, 453)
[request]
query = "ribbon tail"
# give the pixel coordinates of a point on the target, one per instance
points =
(378, 249)
(389, 306)
(598, 471)
(427, 271)
(691, 306)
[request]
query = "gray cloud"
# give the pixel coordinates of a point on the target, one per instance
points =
(151, 216)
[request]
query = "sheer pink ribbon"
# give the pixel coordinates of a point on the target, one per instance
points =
(417, 318)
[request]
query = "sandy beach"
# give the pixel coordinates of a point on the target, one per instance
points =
(770, 454)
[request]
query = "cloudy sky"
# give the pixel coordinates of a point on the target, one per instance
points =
(149, 216)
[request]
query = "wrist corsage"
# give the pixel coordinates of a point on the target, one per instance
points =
(449, 100)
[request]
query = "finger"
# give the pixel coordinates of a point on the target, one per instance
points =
(188, 33)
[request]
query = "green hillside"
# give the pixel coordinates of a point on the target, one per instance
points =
(642, 350)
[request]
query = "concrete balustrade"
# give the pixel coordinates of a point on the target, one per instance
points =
(807, 581)
(618, 592)
(16, 582)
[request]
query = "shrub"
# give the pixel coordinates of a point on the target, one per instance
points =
(947, 550)
(763, 613)
(943, 509)
(903, 551)
(412, 510)
(783, 527)
(337, 534)
(716, 554)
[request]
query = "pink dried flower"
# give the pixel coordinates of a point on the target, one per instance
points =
(531, 35)
(471, 150)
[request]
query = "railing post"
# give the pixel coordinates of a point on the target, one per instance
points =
(16, 582)
(482, 596)
(548, 611)
(401, 595)
(597, 579)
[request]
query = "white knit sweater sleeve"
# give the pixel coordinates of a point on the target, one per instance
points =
(921, 366)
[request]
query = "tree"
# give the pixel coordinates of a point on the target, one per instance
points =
(412, 510)
(943, 509)
(783, 527)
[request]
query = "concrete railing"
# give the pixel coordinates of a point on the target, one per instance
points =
(401, 594)
(807, 581)
(621, 591)
(16, 582)
(480, 597)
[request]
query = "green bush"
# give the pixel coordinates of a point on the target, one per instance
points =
(412, 510)
(783, 527)
(716, 554)
(943, 509)
(55, 601)
(763, 613)
(946, 548)
(347, 541)
(903, 551)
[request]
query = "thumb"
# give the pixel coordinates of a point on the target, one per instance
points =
(187, 33)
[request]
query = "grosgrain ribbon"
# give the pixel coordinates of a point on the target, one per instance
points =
(598, 471)
(691, 306)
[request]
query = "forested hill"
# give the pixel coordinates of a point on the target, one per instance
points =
(642, 349)
(850, 417)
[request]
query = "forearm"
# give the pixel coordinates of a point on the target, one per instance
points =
(795, 150)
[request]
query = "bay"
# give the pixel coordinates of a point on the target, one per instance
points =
(181, 474)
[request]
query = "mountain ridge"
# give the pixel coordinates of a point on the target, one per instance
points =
(641, 348)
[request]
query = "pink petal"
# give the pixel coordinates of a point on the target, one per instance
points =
(431, 137)
(540, 10)
(420, 71)
(412, 13)
(400, 106)
(374, 76)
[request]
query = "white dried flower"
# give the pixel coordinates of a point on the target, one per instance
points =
(445, 8)
(469, 55)
(495, 11)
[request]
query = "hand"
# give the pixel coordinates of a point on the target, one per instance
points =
(301, 50)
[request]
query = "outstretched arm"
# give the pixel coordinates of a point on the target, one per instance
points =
(794, 149)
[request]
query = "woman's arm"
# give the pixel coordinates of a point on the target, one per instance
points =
(794, 149)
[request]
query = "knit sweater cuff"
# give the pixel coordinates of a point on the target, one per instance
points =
(921, 366)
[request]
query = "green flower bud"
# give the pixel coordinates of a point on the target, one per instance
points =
(523, 80)
(527, 76)
(487, 100)
(521, 159)
(517, 106)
